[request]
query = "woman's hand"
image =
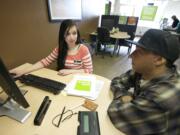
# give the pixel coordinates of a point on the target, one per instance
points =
(64, 72)
(18, 72)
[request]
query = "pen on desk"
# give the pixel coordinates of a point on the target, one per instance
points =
(61, 116)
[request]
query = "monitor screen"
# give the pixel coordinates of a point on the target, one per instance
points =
(8, 107)
(109, 21)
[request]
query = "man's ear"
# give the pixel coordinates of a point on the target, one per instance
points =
(159, 60)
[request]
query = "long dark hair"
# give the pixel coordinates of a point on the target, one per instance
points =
(63, 47)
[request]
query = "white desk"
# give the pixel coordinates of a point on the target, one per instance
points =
(69, 127)
(117, 35)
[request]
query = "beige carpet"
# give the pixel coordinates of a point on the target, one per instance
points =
(111, 67)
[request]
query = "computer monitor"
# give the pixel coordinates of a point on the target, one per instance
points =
(109, 21)
(12, 106)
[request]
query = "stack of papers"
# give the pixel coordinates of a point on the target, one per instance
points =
(84, 85)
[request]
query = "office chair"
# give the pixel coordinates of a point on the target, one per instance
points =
(103, 38)
(90, 46)
(123, 42)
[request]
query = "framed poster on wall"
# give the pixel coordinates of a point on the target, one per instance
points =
(148, 13)
(64, 9)
(122, 20)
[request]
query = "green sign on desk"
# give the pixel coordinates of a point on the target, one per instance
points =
(83, 85)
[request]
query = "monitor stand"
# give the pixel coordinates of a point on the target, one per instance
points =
(13, 110)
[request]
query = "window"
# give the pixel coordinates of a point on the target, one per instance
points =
(134, 8)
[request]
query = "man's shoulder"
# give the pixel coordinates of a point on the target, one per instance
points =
(167, 86)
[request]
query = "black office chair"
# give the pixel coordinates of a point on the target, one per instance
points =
(124, 42)
(103, 39)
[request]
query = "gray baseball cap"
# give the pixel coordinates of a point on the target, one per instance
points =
(160, 42)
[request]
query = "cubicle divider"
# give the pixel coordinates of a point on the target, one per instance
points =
(109, 21)
(123, 23)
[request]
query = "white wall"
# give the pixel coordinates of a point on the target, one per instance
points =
(170, 7)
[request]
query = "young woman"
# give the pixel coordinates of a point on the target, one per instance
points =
(71, 55)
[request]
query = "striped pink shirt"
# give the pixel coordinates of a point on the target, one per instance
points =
(81, 60)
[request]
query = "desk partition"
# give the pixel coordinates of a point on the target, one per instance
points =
(124, 23)
(109, 21)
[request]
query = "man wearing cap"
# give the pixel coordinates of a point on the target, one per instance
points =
(146, 98)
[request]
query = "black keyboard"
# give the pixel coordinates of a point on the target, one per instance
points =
(42, 83)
